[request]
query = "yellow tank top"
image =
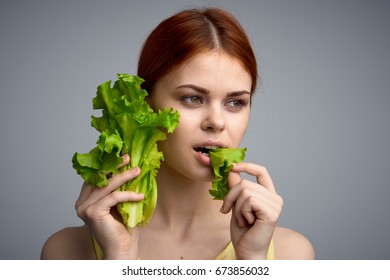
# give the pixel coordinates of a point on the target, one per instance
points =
(227, 254)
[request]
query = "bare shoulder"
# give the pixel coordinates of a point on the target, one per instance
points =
(72, 243)
(291, 245)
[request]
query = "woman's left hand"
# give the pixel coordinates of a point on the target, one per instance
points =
(255, 207)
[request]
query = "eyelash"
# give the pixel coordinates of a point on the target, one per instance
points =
(240, 103)
(196, 101)
(190, 99)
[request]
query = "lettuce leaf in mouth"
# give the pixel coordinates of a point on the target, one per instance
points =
(222, 161)
(128, 125)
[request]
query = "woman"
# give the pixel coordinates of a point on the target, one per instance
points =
(199, 62)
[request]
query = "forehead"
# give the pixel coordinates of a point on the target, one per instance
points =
(211, 69)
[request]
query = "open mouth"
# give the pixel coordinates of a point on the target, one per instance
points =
(205, 149)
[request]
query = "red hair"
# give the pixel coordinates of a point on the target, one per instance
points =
(190, 32)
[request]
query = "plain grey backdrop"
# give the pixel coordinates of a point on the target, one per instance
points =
(320, 120)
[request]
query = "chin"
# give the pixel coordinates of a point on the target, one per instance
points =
(199, 174)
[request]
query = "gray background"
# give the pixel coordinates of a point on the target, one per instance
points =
(320, 121)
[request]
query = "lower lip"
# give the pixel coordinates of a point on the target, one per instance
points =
(202, 158)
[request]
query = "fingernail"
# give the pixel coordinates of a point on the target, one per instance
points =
(137, 169)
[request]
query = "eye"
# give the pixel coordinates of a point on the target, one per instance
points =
(192, 100)
(236, 104)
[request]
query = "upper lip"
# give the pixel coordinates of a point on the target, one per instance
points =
(210, 143)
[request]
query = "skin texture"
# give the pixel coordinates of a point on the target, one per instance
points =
(211, 92)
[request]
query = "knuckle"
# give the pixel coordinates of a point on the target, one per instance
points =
(263, 169)
(277, 209)
(274, 217)
(79, 208)
(247, 194)
(80, 211)
(280, 200)
(115, 195)
(126, 176)
(77, 205)
(89, 213)
(252, 199)
(277, 214)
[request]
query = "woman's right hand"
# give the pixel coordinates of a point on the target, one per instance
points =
(97, 208)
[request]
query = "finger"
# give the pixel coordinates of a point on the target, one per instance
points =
(243, 190)
(247, 212)
(234, 179)
(121, 178)
(121, 196)
(126, 160)
(256, 206)
(103, 206)
(91, 194)
(228, 203)
(260, 172)
(243, 207)
(242, 217)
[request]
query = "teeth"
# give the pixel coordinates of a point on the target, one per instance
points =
(205, 149)
(210, 147)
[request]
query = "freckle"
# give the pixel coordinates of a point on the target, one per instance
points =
(181, 258)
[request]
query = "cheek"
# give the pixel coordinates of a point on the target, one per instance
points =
(188, 121)
(237, 135)
(179, 136)
(177, 143)
(237, 128)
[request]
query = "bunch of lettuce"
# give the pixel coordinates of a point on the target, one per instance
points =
(128, 125)
(222, 160)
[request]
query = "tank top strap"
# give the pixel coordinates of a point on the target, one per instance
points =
(98, 250)
(229, 254)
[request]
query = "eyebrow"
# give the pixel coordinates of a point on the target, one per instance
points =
(206, 91)
(196, 88)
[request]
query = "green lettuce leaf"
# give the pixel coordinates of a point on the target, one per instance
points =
(222, 160)
(128, 125)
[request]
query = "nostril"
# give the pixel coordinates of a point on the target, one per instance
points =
(213, 125)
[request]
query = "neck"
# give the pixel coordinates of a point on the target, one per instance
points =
(182, 200)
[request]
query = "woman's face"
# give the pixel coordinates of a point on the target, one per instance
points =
(212, 93)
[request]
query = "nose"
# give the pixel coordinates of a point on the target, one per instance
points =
(213, 119)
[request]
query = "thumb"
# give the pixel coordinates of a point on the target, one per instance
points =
(234, 179)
